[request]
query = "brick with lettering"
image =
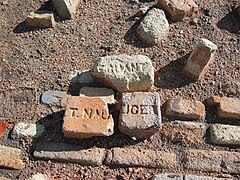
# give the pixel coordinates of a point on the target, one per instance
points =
(140, 116)
(87, 117)
(66, 8)
(124, 73)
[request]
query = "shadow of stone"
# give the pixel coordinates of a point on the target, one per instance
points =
(170, 76)
(230, 22)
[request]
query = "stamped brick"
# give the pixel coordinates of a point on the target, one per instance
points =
(129, 157)
(178, 9)
(140, 115)
(212, 161)
(86, 117)
(62, 152)
(199, 59)
(10, 158)
(185, 109)
(42, 20)
(225, 134)
(229, 108)
(66, 8)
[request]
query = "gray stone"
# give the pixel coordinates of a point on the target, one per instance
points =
(71, 153)
(154, 27)
(24, 130)
(81, 77)
(140, 116)
(142, 11)
(168, 177)
(125, 73)
(54, 98)
(106, 94)
(39, 176)
(41, 20)
(66, 8)
(225, 134)
(194, 177)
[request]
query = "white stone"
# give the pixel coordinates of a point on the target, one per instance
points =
(154, 27)
(39, 176)
(125, 73)
(23, 130)
(66, 8)
(106, 94)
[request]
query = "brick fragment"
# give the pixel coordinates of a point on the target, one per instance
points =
(178, 9)
(128, 157)
(10, 157)
(185, 109)
(199, 59)
(213, 101)
(212, 161)
(66, 8)
(229, 108)
(140, 116)
(225, 134)
(41, 20)
(86, 117)
(62, 152)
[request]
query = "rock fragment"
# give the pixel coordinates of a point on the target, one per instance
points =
(185, 109)
(140, 116)
(178, 9)
(41, 20)
(125, 73)
(87, 117)
(162, 176)
(66, 8)
(194, 177)
(10, 157)
(225, 134)
(213, 101)
(199, 59)
(39, 176)
(229, 108)
(54, 98)
(154, 27)
(81, 77)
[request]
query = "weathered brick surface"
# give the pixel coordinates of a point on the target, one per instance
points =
(187, 132)
(229, 108)
(10, 157)
(199, 59)
(212, 161)
(140, 115)
(66, 8)
(141, 158)
(225, 134)
(45, 20)
(62, 152)
(178, 9)
(86, 117)
(185, 109)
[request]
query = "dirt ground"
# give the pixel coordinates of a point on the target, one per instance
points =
(35, 60)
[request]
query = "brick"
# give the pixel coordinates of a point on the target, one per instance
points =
(225, 134)
(72, 153)
(213, 101)
(140, 116)
(199, 59)
(3, 128)
(41, 20)
(106, 94)
(178, 9)
(10, 157)
(194, 177)
(185, 109)
(187, 132)
(229, 108)
(212, 161)
(129, 157)
(87, 117)
(168, 177)
(66, 8)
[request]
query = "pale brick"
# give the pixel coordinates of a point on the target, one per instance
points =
(43, 20)
(86, 117)
(185, 109)
(212, 161)
(199, 59)
(10, 157)
(229, 108)
(140, 115)
(66, 8)
(128, 157)
(225, 134)
(71, 153)
(178, 9)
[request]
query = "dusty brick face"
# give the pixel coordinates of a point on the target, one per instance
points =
(225, 134)
(140, 115)
(185, 109)
(86, 117)
(212, 161)
(178, 9)
(199, 59)
(229, 108)
(187, 132)
(128, 157)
